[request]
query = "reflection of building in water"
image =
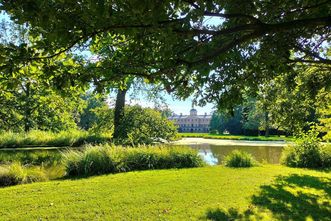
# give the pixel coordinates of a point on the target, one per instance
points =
(192, 122)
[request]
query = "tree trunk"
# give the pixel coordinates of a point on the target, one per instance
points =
(119, 112)
(27, 111)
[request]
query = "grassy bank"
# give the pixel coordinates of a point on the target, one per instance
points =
(28, 166)
(48, 138)
(96, 160)
(266, 192)
(236, 137)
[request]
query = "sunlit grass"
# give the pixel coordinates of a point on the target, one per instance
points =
(268, 192)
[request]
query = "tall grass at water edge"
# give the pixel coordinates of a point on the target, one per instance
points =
(31, 157)
(105, 159)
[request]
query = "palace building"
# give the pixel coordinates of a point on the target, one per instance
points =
(192, 123)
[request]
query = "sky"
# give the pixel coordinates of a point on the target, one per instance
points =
(177, 106)
(135, 97)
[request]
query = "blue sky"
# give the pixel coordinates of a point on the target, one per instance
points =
(185, 106)
(177, 106)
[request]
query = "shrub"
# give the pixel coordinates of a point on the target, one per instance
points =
(145, 126)
(18, 174)
(326, 155)
(239, 159)
(307, 152)
(96, 160)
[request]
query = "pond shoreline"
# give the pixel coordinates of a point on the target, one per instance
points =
(219, 142)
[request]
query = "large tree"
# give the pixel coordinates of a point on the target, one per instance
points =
(213, 49)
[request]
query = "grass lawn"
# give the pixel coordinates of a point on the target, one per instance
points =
(237, 137)
(266, 192)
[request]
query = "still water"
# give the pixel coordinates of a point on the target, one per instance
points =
(214, 154)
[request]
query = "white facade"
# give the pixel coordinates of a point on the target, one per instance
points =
(192, 123)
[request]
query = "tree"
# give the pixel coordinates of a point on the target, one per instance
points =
(88, 118)
(118, 66)
(145, 126)
(26, 102)
(248, 42)
(27, 98)
(139, 125)
(230, 122)
(252, 117)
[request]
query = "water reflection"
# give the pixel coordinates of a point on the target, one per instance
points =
(214, 154)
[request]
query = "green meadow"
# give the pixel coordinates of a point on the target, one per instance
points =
(267, 192)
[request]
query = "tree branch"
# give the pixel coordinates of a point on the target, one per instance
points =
(258, 30)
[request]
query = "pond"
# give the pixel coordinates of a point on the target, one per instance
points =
(214, 154)
(211, 153)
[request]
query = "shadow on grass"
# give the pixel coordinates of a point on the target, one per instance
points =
(293, 197)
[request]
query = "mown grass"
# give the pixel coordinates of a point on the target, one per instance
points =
(268, 192)
(236, 137)
(47, 138)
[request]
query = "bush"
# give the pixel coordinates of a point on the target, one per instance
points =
(326, 155)
(145, 126)
(239, 159)
(96, 160)
(18, 174)
(307, 152)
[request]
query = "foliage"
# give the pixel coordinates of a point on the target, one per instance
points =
(28, 98)
(88, 118)
(307, 152)
(245, 119)
(145, 126)
(108, 159)
(31, 105)
(239, 159)
(174, 42)
(325, 117)
(284, 104)
(293, 99)
(18, 174)
(274, 191)
(104, 119)
(48, 138)
(223, 121)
